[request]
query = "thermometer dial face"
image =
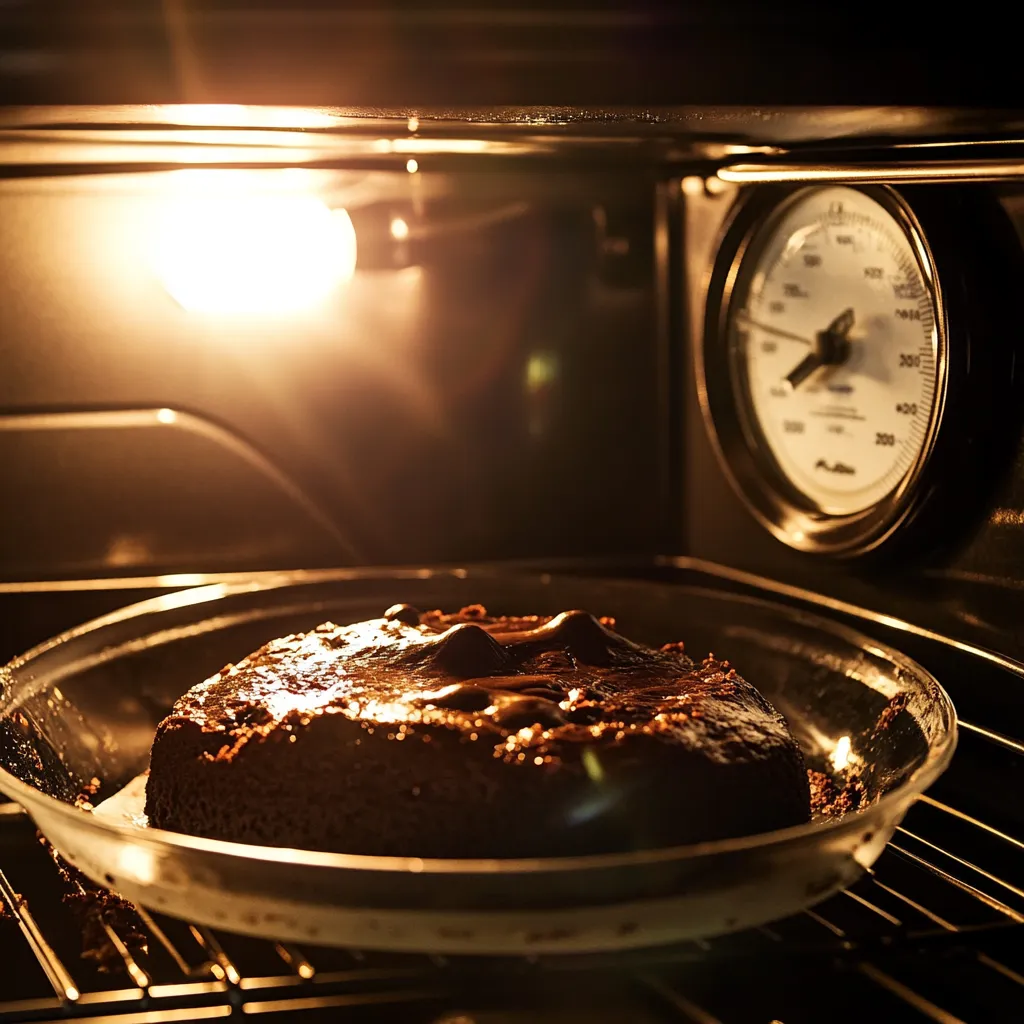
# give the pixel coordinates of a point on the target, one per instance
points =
(834, 348)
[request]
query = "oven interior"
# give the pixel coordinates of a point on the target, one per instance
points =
(502, 370)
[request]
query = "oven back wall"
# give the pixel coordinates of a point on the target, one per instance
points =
(484, 385)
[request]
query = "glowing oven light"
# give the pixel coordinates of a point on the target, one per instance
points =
(253, 254)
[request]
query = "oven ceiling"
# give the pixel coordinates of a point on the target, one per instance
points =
(404, 57)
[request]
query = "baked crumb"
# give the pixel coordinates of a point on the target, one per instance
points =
(834, 796)
(889, 712)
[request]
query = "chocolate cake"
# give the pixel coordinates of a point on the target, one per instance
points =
(470, 735)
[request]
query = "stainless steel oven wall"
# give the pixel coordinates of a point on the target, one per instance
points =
(962, 578)
(484, 386)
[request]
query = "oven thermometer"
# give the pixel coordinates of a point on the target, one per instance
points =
(825, 362)
(835, 347)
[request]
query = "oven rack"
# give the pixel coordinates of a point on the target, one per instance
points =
(932, 933)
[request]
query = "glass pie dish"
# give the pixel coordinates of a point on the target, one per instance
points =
(81, 710)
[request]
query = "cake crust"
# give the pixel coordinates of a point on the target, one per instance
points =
(471, 735)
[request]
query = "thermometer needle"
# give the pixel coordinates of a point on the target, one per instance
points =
(831, 347)
(768, 329)
(803, 370)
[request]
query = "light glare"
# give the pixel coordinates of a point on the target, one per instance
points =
(230, 115)
(840, 757)
(251, 254)
(138, 864)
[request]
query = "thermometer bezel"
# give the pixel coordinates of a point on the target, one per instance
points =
(743, 452)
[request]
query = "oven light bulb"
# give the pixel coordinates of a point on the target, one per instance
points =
(253, 254)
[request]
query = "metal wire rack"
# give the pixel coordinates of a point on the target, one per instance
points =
(932, 933)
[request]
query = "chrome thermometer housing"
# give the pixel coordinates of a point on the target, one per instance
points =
(825, 369)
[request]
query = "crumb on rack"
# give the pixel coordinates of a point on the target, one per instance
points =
(97, 910)
(10, 913)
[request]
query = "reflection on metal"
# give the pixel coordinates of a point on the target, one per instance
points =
(53, 968)
(1005, 741)
(237, 115)
(996, 737)
(981, 170)
(886, 981)
(209, 942)
(884, 914)
(135, 972)
(201, 969)
(320, 1002)
(924, 798)
(295, 959)
(835, 605)
(964, 863)
(984, 897)
(825, 923)
(954, 144)
(133, 148)
(689, 1009)
(442, 146)
(169, 1016)
(908, 995)
(176, 581)
(220, 437)
(986, 961)
(914, 905)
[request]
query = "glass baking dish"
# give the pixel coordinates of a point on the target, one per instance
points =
(84, 706)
